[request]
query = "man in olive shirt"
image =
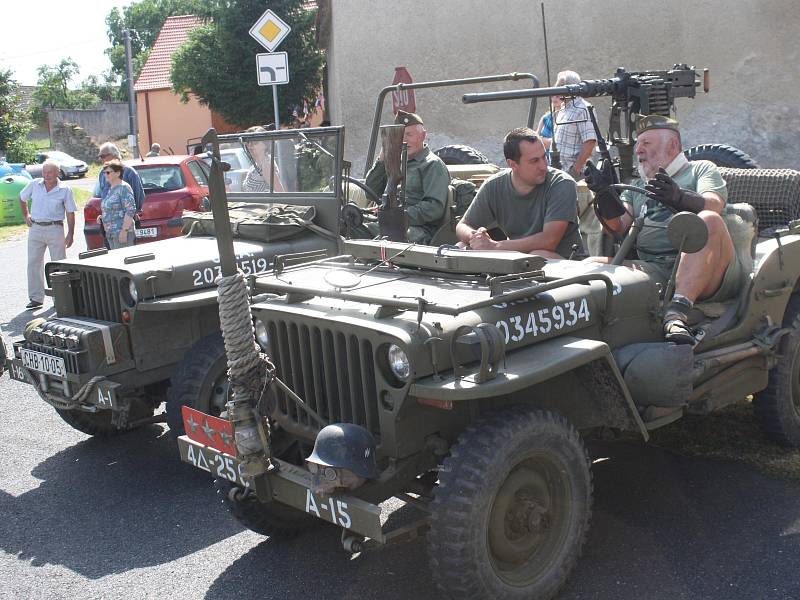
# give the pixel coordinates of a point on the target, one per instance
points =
(536, 206)
(673, 184)
(427, 179)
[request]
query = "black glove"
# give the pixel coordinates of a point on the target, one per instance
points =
(664, 189)
(600, 179)
(607, 202)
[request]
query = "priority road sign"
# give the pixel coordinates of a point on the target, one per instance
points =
(270, 30)
(273, 68)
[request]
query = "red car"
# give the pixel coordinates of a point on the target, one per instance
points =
(171, 184)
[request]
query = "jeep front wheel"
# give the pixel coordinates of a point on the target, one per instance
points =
(777, 408)
(200, 381)
(512, 508)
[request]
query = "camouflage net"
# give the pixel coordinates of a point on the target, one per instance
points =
(774, 193)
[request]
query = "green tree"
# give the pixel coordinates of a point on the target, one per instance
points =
(145, 18)
(52, 86)
(217, 63)
(15, 123)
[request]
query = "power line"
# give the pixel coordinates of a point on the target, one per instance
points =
(59, 49)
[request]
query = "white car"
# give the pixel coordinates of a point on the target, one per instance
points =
(240, 164)
(68, 166)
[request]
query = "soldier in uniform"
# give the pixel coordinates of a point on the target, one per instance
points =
(673, 184)
(427, 179)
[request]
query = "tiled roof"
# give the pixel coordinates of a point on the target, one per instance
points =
(156, 71)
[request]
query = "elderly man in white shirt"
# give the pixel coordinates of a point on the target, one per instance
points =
(50, 200)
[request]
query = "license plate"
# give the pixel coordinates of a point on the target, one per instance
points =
(147, 232)
(44, 363)
(216, 463)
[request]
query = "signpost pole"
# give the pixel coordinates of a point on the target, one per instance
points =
(275, 104)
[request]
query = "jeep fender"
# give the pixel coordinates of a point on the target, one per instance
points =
(526, 368)
(776, 276)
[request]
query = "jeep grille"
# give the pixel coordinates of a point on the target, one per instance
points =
(98, 297)
(331, 370)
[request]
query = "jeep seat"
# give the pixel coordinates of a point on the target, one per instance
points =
(446, 232)
(773, 193)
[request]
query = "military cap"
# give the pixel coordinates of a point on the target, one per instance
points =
(646, 122)
(407, 118)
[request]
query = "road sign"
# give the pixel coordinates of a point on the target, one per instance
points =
(273, 68)
(270, 30)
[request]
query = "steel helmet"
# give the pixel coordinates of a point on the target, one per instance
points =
(346, 446)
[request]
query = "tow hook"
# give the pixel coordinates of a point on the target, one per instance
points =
(351, 542)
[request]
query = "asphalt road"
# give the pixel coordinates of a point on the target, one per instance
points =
(85, 518)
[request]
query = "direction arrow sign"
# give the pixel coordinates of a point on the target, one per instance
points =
(270, 30)
(273, 68)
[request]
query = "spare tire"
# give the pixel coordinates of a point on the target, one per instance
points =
(721, 155)
(458, 154)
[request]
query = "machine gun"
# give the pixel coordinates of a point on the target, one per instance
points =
(642, 92)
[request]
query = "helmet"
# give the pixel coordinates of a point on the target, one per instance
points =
(346, 446)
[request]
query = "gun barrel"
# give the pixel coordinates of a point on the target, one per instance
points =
(587, 88)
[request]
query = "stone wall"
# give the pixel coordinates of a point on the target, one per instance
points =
(73, 139)
(109, 121)
(750, 46)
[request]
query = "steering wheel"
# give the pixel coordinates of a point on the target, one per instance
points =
(367, 190)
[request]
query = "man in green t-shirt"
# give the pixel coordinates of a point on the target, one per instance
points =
(427, 179)
(536, 206)
(673, 185)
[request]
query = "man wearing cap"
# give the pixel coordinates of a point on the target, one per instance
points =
(535, 205)
(427, 179)
(673, 185)
(50, 200)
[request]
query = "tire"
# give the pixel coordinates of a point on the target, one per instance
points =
(777, 408)
(538, 540)
(200, 381)
(62, 175)
(99, 424)
(274, 519)
(458, 154)
(721, 155)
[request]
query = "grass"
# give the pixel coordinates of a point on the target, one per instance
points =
(43, 144)
(731, 433)
(13, 232)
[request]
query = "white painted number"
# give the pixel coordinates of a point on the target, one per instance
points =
(249, 266)
(337, 510)
(543, 320)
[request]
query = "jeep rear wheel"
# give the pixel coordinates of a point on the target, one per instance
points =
(200, 381)
(777, 408)
(458, 154)
(512, 508)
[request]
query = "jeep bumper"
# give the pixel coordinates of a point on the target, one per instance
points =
(290, 485)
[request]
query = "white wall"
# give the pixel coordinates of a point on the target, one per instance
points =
(751, 47)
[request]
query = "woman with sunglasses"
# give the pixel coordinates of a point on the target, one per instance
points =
(118, 207)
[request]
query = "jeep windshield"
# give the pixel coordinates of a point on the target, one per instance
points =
(289, 162)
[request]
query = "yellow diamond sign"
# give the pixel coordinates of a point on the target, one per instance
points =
(270, 30)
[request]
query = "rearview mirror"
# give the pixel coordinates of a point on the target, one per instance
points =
(687, 232)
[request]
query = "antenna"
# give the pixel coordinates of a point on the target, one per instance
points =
(555, 156)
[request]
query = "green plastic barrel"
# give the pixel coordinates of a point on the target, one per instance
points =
(10, 187)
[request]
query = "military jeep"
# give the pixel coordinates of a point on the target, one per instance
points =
(137, 326)
(463, 383)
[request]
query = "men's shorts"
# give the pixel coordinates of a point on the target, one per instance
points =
(728, 288)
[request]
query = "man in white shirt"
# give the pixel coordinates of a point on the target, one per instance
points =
(50, 200)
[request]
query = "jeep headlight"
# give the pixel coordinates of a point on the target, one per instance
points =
(262, 337)
(398, 362)
(129, 293)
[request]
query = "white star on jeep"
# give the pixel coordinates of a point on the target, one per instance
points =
(208, 430)
(192, 423)
(226, 437)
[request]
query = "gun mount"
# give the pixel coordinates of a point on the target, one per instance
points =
(641, 92)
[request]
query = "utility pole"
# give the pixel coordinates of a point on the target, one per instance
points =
(133, 129)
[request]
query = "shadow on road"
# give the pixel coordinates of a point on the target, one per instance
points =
(663, 526)
(16, 325)
(107, 507)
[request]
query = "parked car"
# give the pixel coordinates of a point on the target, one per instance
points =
(171, 184)
(68, 166)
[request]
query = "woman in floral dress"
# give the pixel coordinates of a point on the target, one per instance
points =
(118, 208)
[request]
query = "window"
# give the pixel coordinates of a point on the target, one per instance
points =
(199, 171)
(162, 178)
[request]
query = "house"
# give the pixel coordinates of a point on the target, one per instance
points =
(161, 115)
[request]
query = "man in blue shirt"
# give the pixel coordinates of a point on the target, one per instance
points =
(109, 151)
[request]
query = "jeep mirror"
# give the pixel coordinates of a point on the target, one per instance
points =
(687, 232)
(340, 279)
